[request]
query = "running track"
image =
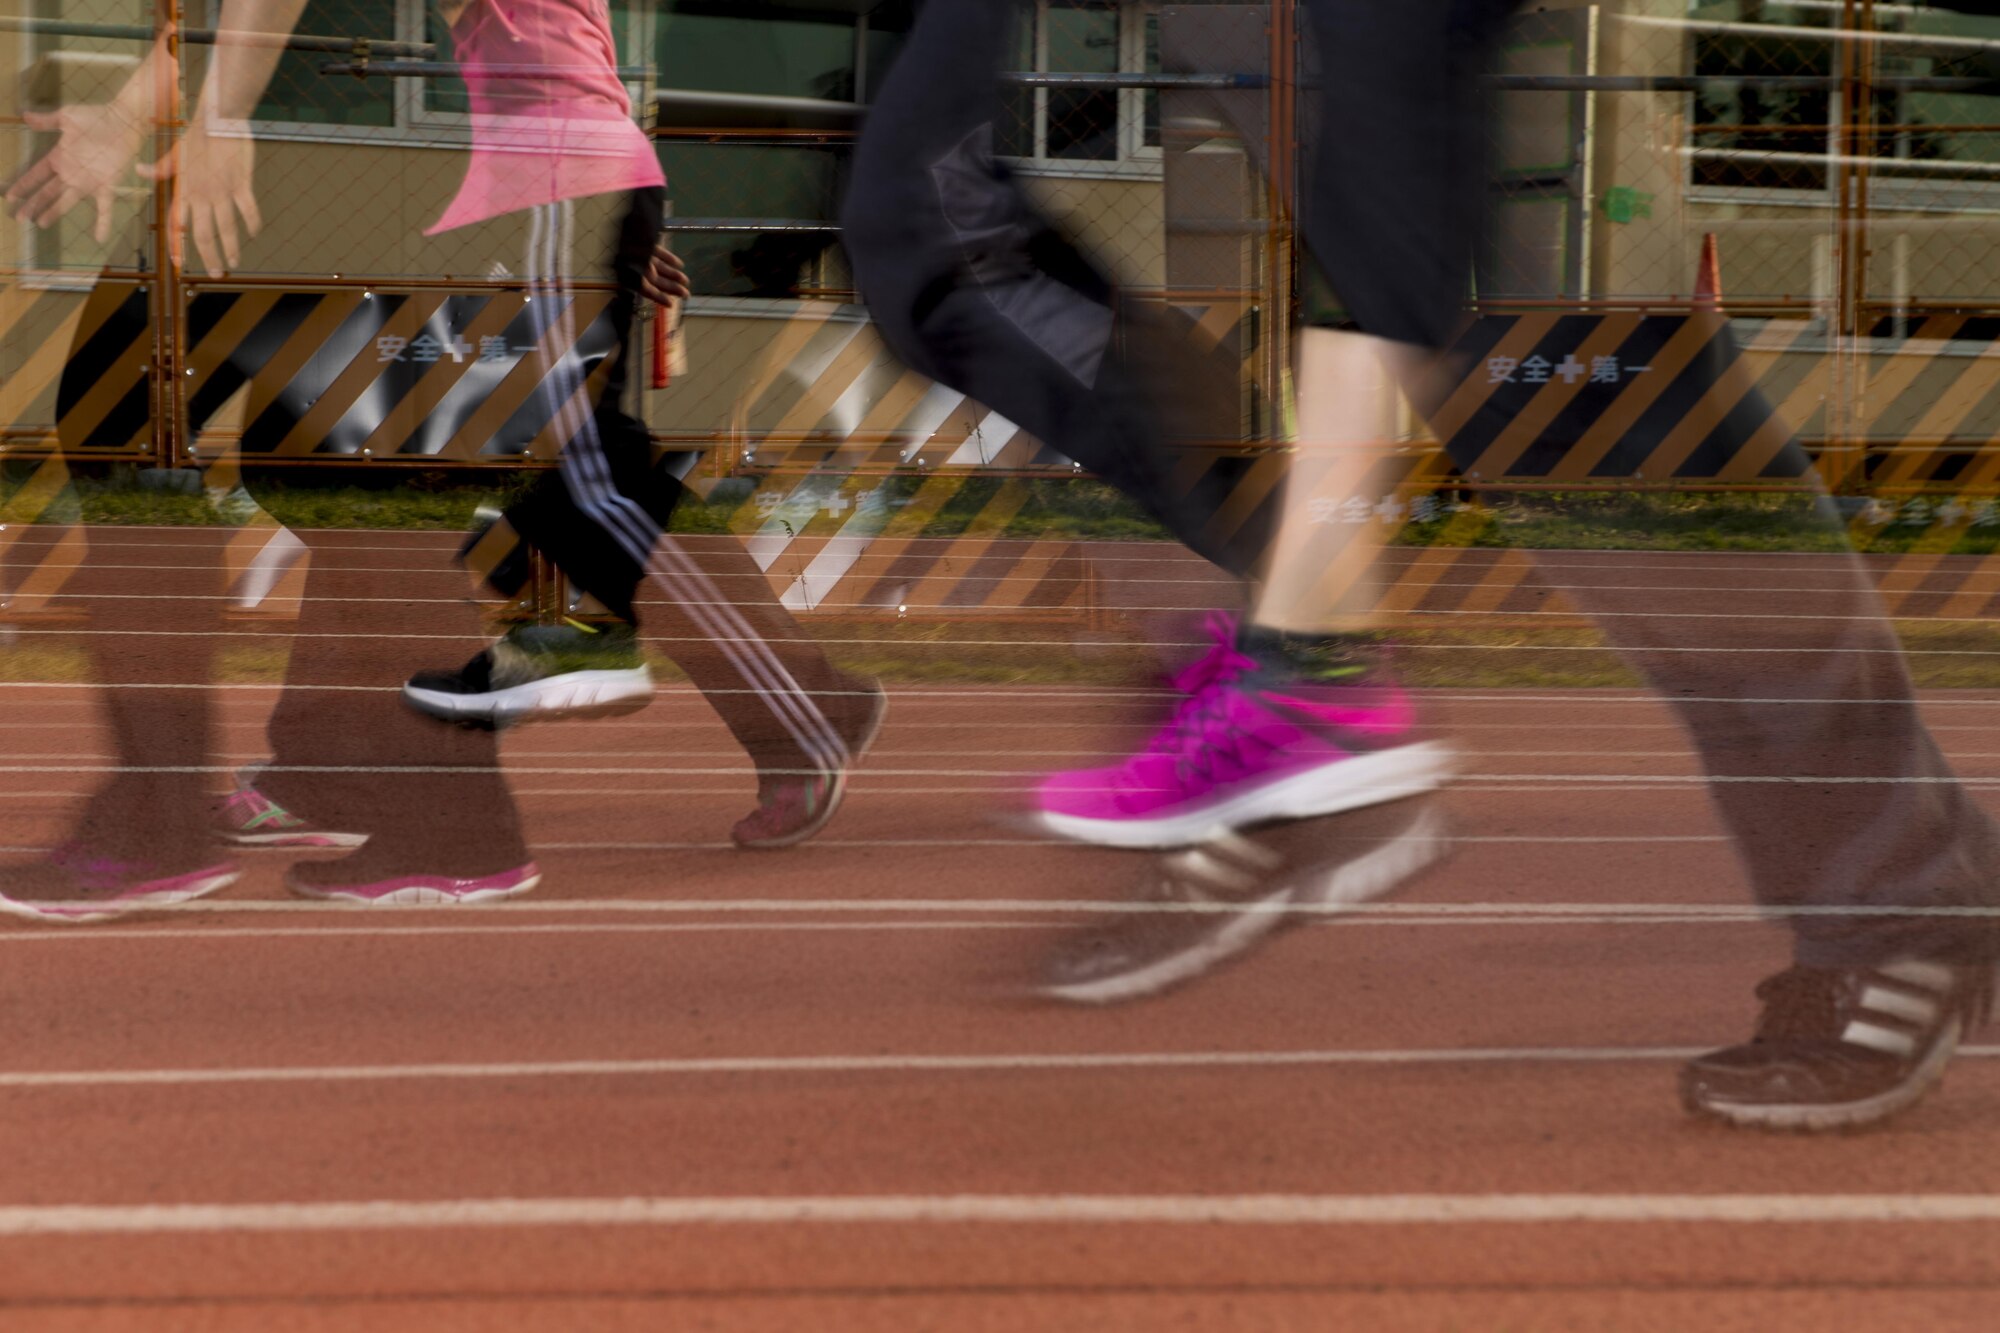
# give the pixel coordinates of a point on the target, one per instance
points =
(685, 1087)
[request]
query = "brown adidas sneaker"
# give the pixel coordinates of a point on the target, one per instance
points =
(1842, 1047)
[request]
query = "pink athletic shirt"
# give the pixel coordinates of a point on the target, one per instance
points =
(564, 131)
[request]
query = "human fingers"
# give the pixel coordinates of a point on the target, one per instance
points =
(665, 284)
(671, 267)
(207, 243)
(163, 168)
(46, 204)
(42, 120)
(655, 293)
(101, 233)
(246, 205)
(29, 183)
(59, 207)
(229, 233)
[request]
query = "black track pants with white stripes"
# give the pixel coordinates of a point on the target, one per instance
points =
(602, 518)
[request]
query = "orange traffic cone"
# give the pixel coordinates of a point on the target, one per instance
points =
(1708, 276)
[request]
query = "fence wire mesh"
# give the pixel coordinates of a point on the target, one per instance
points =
(1842, 153)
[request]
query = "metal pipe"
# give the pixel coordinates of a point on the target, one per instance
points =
(1922, 166)
(132, 32)
(1554, 83)
(386, 285)
(414, 69)
(1176, 82)
(166, 308)
(764, 135)
(802, 225)
(1844, 36)
(1694, 83)
(804, 106)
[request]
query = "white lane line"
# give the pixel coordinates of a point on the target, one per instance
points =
(517, 761)
(646, 722)
(1546, 913)
(834, 560)
(1608, 780)
(1570, 786)
(443, 542)
(509, 928)
(916, 697)
(520, 750)
(723, 845)
(650, 722)
(836, 1064)
(447, 540)
(273, 634)
(1469, 839)
(859, 786)
(781, 927)
(996, 1209)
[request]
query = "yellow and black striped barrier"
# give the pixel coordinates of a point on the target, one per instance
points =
(77, 368)
(386, 374)
(344, 372)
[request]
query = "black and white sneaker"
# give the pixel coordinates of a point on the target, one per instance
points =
(1218, 900)
(539, 673)
(1838, 1048)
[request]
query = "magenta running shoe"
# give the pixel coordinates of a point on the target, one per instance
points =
(342, 881)
(76, 886)
(1247, 744)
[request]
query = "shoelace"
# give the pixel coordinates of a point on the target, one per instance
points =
(1801, 1002)
(1806, 1001)
(1193, 733)
(1203, 738)
(262, 808)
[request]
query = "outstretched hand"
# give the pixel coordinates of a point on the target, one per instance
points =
(215, 198)
(95, 146)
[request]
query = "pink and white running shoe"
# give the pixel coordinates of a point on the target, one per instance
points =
(337, 881)
(76, 887)
(248, 818)
(1246, 745)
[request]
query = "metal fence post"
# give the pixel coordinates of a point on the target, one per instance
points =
(168, 396)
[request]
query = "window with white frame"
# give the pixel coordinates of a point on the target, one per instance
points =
(1928, 147)
(300, 95)
(1085, 129)
(779, 50)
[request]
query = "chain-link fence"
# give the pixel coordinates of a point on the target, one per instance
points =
(1842, 153)
(1838, 156)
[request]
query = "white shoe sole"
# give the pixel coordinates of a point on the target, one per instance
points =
(1811, 1118)
(1330, 789)
(293, 842)
(1244, 929)
(1379, 871)
(68, 915)
(572, 694)
(416, 895)
(1374, 874)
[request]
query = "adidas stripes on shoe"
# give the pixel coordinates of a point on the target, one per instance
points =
(1838, 1048)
